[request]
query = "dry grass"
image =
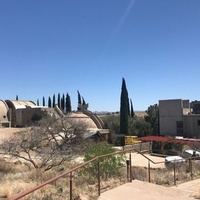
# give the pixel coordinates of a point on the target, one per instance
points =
(6, 133)
(16, 177)
(163, 176)
(19, 177)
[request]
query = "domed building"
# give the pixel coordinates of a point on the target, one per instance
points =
(18, 113)
(4, 113)
(95, 125)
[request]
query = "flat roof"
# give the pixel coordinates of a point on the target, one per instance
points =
(169, 139)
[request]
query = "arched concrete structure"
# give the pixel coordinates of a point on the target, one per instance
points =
(82, 118)
(4, 114)
(13, 105)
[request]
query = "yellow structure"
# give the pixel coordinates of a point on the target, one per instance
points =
(130, 140)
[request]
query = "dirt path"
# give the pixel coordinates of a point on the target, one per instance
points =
(6, 133)
(143, 191)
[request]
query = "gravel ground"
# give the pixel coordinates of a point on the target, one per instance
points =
(5, 133)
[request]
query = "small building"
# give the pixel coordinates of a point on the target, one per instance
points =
(177, 118)
(24, 113)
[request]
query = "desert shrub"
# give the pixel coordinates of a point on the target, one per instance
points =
(110, 166)
(139, 173)
(6, 167)
(48, 145)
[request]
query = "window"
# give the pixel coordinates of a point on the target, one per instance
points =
(179, 127)
(198, 122)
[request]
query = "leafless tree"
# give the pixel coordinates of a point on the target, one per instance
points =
(51, 143)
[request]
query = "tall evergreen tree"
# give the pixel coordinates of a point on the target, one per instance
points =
(17, 98)
(63, 102)
(129, 112)
(49, 102)
(79, 100)
(124, 110)
(152, 117)
(58, 100)
(68, 103)
(38, 102)
(132, 111)
(83, 100)
(54, 101)
(43, 101)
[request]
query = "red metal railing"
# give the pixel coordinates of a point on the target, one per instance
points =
(70, 173)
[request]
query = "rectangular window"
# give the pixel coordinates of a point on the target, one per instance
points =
(179, 127)
(198, 122)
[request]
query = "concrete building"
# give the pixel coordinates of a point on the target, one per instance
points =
(177, 118)
(4, 112)
(18, 113)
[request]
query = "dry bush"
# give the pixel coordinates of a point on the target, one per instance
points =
(14, 186)
(196, 168)
(48, 145)
(38, 175)
(139, 173)
(162, 177)
(6, 167)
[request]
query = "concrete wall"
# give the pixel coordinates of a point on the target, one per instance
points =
(24, 117)
(192, 125)
(170, 111)
(196, 107)
(177, 110)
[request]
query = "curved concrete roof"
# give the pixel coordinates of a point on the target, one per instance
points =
(3, 111)
(80, 117)
(20, 104)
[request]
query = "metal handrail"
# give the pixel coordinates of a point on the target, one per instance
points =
(24, 193)
(69, 172)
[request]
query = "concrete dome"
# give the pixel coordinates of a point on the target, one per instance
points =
(82, 118)
(3, 111)
(17, 104)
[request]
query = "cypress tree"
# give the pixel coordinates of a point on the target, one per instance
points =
(124, 110)
(43, 101)
(63, 102)
(132, 111)
(54, 101)
(17, 98)
(129, 112)
(68, 103)
(79, 100)
(58, 100)
(49, 102)
(83, 100)
(38, 102)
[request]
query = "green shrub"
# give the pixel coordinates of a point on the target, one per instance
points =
(110, 166)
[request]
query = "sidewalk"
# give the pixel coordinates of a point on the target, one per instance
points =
(143, 191)
(191, 186)
(139, 160)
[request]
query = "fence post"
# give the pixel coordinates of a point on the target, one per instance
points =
(127, 168)
(174, 173)
(149, 171)
(130, 166)
(99, 179)
(70, 185)
(191, 174)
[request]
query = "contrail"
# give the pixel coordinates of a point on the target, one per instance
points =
(121, 22)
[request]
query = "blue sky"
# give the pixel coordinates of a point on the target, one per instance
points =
(58, 46)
